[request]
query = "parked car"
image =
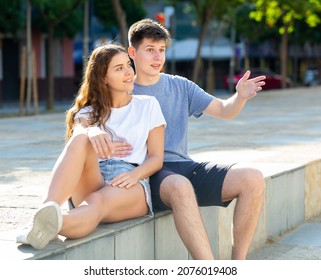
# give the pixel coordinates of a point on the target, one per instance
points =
(312, 77)
(272, 81)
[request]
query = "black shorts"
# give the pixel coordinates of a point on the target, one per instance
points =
(206, 177)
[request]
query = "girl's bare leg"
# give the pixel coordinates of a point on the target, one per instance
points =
(109, 204)
(76, 172)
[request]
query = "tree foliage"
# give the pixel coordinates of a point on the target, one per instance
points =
(65, 15)
(250, 29)
(284, 13)
(105, 12)
(305, 33)
(53, 12)
(206, 11)
(11, 16)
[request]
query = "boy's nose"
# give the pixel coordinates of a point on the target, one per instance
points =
(157, 55)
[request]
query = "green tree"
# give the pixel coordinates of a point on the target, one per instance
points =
(11, 16)
(120, 13)
(206, 11)
(57, 18)
(121, 19)
(283, 14)
(250, 31)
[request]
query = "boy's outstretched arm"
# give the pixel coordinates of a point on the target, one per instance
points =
(245, 89)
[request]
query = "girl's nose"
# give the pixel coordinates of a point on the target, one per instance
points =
(129, 70)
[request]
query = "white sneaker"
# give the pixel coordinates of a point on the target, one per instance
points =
(47, 223)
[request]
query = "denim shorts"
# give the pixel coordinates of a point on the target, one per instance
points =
(110, 168)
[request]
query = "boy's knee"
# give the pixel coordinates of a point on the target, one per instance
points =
(257, 178)
(254, 181)
(176, 189)
(246, 180)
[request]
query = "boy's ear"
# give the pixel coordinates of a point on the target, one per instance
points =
(131, 52)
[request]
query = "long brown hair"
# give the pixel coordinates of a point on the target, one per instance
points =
(93, 91)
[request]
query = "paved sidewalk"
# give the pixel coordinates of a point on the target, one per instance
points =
(302, 243)
(277, 129)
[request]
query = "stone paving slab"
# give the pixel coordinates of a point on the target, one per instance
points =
(302, 243)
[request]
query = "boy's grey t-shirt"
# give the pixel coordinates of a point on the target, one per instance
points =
(179, 99)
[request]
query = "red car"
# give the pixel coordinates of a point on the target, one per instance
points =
(272, 81)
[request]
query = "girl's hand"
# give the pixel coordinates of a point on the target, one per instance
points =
(104, 146)
(100, 141)
(124, 180)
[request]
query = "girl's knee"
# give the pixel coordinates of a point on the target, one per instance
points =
(95, 199)
(79, 139)
(79, 143)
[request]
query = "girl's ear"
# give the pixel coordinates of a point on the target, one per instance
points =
(131, 52)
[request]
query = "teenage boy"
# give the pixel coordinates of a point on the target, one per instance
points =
(182, 184)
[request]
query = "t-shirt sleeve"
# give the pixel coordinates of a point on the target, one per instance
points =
(83, 113)
(156, 115)
(198, 99)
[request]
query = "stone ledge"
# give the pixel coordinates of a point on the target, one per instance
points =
(292, 196)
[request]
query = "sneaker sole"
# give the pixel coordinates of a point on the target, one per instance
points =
(46, 225)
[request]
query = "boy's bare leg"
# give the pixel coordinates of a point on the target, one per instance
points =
(247, 186)
(177, 192)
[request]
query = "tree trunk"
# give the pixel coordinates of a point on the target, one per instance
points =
(205, 14)
(51, 52)
(121, 19)
(51, 68)
(197, 65)
(210, 78)
(284, 57)
(246, 54)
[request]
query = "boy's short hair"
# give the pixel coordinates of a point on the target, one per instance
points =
(147, 28)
